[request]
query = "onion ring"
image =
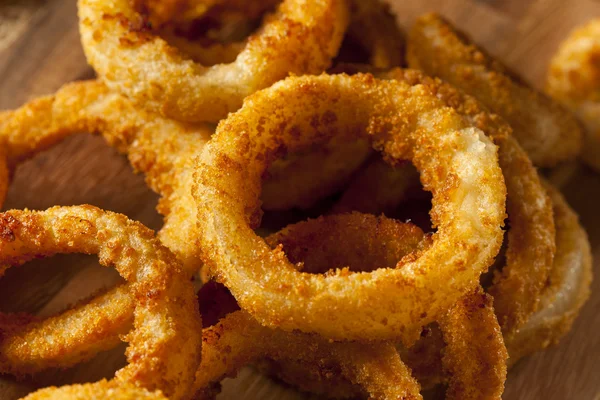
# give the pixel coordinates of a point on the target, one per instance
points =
(163, 345)
(325, 107)
(568, 289)
(574, 80)
(152, 73)
(546, 131)
(102, 389)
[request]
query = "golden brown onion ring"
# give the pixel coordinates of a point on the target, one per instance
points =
(568, 288)
(102, 389)
(574, 80)
(403, 122)
(163, 344)
(131, 59)
(546, 131)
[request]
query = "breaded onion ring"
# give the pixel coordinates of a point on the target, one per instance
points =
(102, 389)
(129, 58)
(547, 132)
(404, 122)
(568, 288)
(163, 344)
(574, 80)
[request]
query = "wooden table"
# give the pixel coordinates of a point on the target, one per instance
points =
(40, 50)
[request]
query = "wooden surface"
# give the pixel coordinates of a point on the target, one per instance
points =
(40, 50)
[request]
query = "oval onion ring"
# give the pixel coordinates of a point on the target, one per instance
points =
(403, 122)
(131, 59)
(574, 80)
(547, 132)
(163, 344)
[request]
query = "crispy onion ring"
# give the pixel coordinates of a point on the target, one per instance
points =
(531, 237)
(574, 80)
(148, 70)
(102, 389)
(568, 288)
(403, 122)
(547, 132)
(163, 344)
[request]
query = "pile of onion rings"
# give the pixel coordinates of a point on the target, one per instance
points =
(370, 231)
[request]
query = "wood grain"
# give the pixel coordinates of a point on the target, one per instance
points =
(40, 50)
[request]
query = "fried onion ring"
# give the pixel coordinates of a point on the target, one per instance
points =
(546, 131)
(574, 80)
(403, 122)
(129, 58)
(163, 344)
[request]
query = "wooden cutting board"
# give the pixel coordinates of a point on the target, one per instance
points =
(40, 50)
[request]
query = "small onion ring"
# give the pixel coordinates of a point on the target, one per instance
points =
(143, 66)
(163, 344)
(546, 131)
(403, 122)
(574, 80)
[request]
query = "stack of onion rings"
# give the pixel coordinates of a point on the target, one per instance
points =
(343, 305)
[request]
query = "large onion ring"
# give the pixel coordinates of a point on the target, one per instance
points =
(403, 122)
(163, 344)
(574, 80)
(546, 131)
(148, 70)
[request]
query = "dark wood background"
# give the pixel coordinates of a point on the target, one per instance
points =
(40, 50)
